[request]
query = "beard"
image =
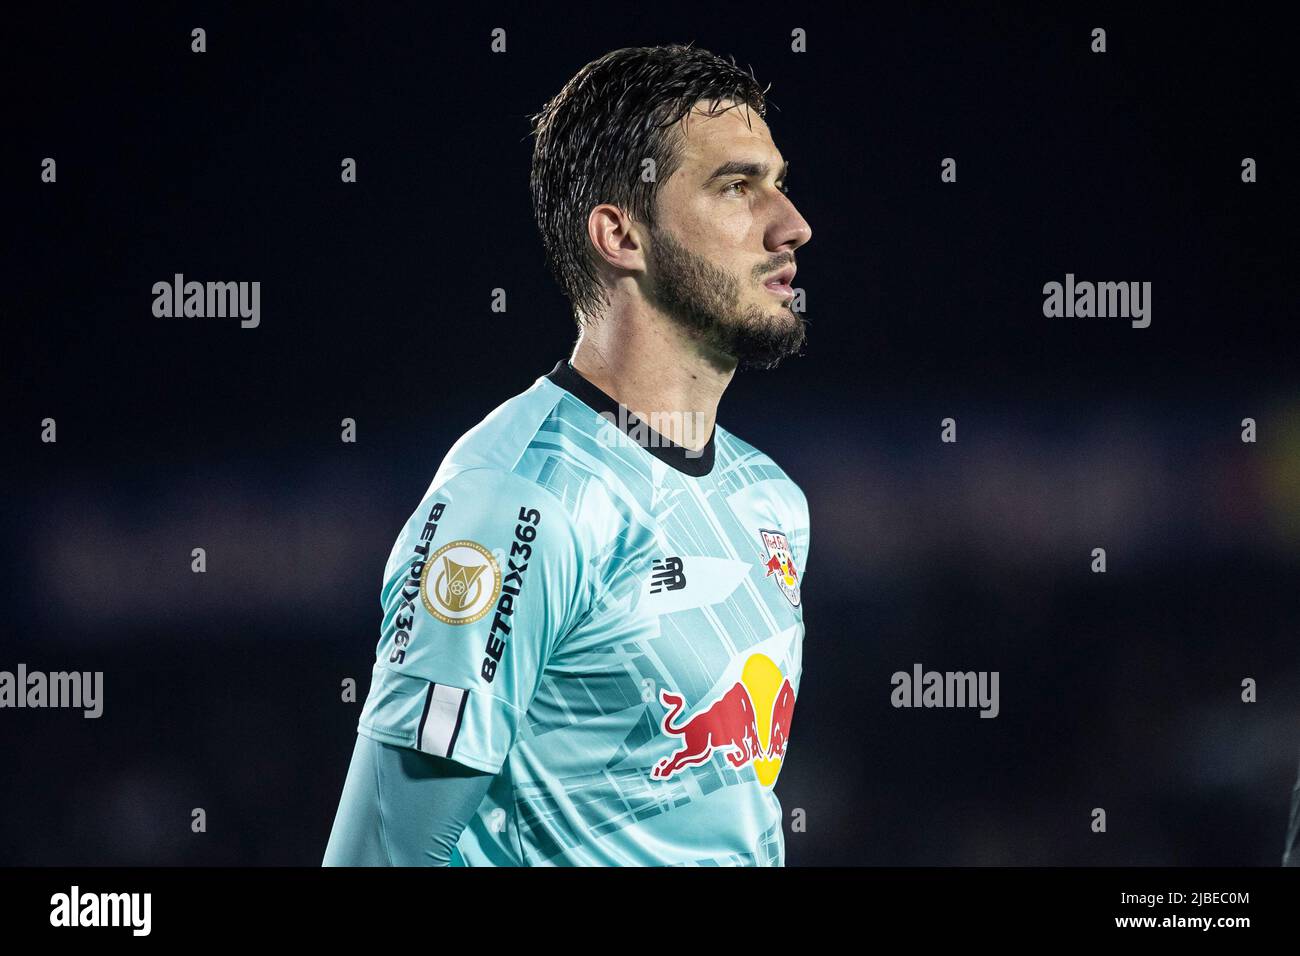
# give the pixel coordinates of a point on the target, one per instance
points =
(705, 301)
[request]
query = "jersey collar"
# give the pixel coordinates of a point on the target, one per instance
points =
(697, 464)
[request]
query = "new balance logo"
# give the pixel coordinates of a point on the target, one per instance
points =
(667, 575)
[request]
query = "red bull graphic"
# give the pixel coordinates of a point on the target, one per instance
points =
(780, 562)
(750, 721)
(782, 715)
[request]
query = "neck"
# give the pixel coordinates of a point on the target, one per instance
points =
(654, 369)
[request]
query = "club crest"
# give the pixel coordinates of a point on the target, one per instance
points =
(779, 564)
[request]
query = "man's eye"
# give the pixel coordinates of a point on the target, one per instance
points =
(784, 188)
(738, 182)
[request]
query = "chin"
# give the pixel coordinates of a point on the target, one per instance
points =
(783, 313)
(767, 304)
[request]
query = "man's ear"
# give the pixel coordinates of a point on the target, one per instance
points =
(616, 238)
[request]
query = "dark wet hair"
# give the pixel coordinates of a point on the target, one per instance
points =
(592, 138)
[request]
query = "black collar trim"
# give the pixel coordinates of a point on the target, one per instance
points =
(696, 464)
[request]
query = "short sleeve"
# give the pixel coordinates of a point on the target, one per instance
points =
(483, 582)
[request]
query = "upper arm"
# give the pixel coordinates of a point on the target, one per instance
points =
(483, 582)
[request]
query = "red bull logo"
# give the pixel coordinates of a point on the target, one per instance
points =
(779, 563)
(750, 722)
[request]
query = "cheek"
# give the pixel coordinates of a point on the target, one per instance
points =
(735, 226)
(715, 224)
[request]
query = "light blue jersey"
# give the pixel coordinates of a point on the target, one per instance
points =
(610, 624)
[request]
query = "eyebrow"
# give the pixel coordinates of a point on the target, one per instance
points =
(735, 167)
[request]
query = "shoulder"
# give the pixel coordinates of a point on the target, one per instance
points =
(502, 438)
(529, 451)
(542, 435)
(753, 477)
(739, 463)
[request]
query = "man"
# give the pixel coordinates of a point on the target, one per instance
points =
(593, 626)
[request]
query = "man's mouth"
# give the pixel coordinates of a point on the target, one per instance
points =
(780, 283)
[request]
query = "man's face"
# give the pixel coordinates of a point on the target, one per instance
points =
(725, 240)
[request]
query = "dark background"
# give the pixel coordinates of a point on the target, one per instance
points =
(222, 690)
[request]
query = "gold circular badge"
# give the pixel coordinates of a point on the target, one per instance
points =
(460, 582)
